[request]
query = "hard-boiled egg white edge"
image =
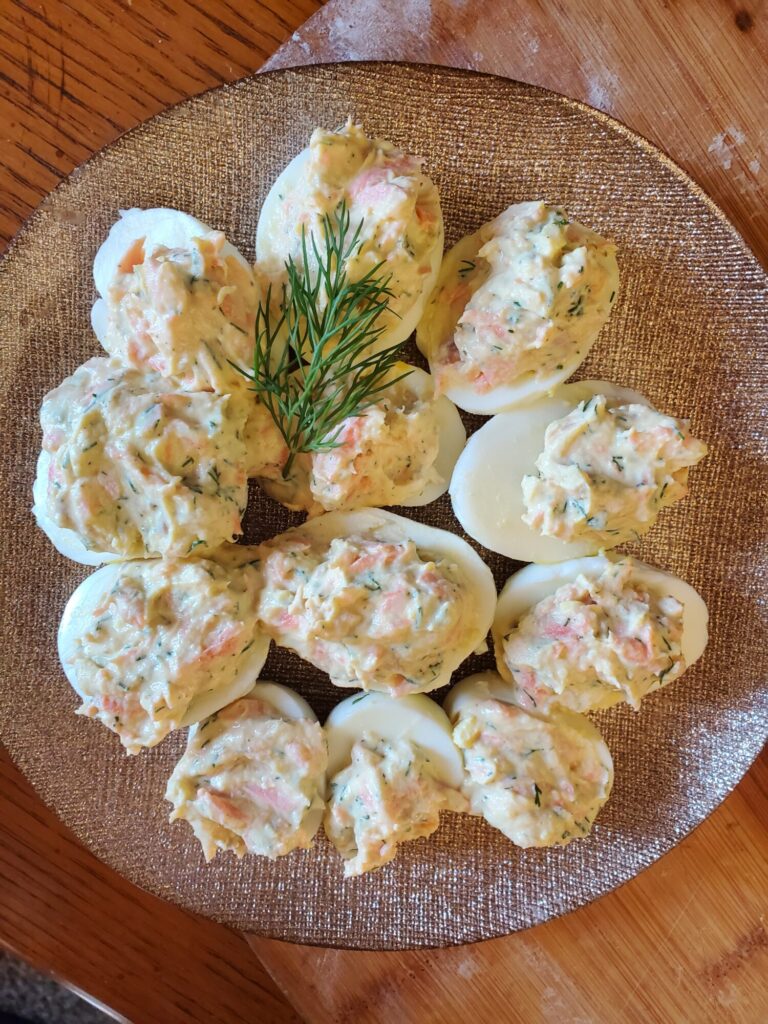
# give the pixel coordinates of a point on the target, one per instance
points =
(79, 614)
(480, 686)
(293, 708)
(271, 214)
(66, 541)
(438, 323)
(378, 524)
(532, 584)
(415, 718)
(490, 686)
(486, 487)
(451, 434)
(172, 229)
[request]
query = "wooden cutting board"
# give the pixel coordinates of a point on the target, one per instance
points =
(685, 941)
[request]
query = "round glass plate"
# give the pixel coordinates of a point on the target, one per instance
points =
(690, 331)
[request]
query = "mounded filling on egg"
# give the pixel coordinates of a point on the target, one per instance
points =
(385, 455)
(248, 780)
(137, 468)
(185, 313)
(387, 795)
(265, 447)
(539, 780)
(165, 633)
(596, 641)
(607, 470)
(390, 200)
(375, 614)
(531, 300)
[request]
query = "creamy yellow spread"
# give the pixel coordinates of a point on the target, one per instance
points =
(139, 469)
(266, 450)
(607, 470)
(390, 199)
(249, 779)
(596, 642)
(184, 313)
(541, 781)
(167, 632)
(384, 456)
(533, 295)
(373, 614)
(387, 795)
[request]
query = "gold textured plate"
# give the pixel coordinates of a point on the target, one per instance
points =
(690, 331)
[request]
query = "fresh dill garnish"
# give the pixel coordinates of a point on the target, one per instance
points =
(314, 360)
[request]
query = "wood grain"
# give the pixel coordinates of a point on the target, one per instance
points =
(75, 74)
(690, 75)
(687, 940)
(68, 914)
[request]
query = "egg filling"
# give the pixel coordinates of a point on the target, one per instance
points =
(186, 313)
(390, 200)
(248, 779)
(266, 450)
(384, 456)
(606, 472)
(136, 468)
(371, 614)
(540, 781)
(386, 796)
(596, 642)
(535, 293)
(167, 632)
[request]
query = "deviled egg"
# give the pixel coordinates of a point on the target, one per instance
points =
(151, 646)
(176, 298)
(539, 779)
(392, 768)
(375, 600)
(132, 468)
(391, 202)
(592, 632)
(582, 470)
(252, 777)
(399, 450)
(517, 307)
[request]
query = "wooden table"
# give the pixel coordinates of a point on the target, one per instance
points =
(685, 941)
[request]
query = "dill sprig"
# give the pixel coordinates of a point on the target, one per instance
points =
(312, 361)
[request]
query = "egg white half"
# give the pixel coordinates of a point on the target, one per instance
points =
(486, 487)
(172, 229)
(532, 584)
(477, 687)
(271, 216)
(415, 718)
(451, 436)
(292, 707)
(66, 541)
(79, 614)
(437, 323)
(378, 524)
